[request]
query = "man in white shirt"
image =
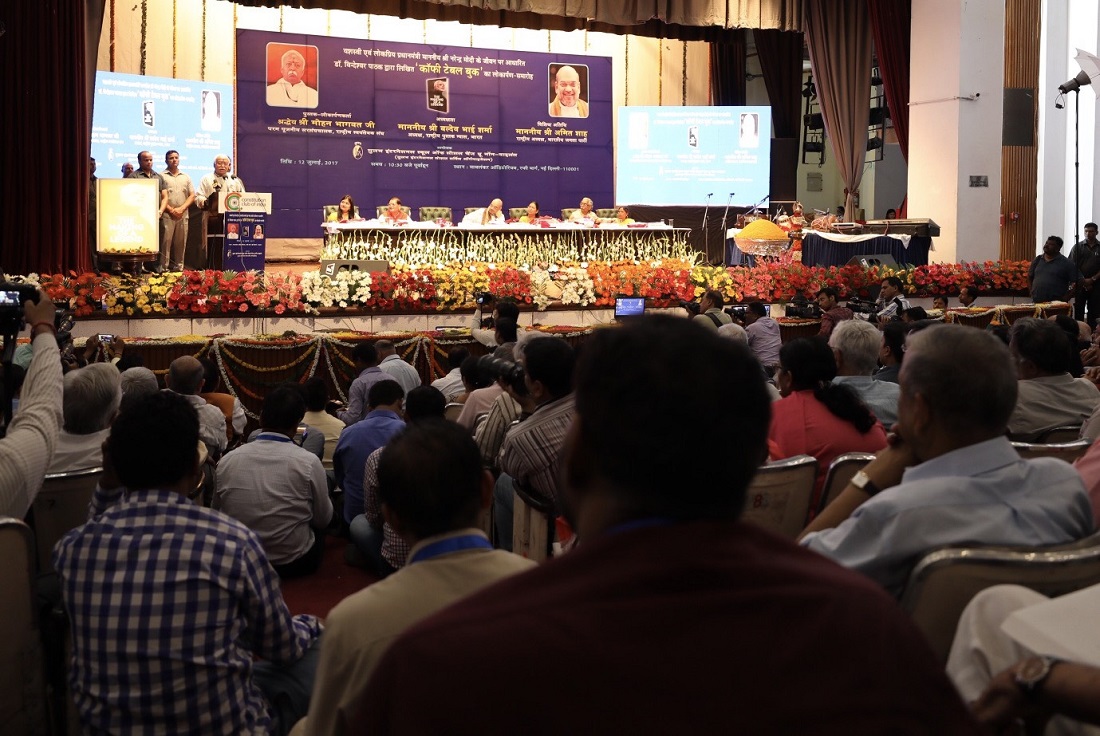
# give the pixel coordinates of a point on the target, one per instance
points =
(450, 385)
(491, 215)
(395, 367)
(206, 198)
(290, 90)
(185, 377)
(585, 215)
(181, 193)
(277, 489)
(89, 404)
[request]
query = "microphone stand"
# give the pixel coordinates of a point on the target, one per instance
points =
(726, 212)
(706, 232)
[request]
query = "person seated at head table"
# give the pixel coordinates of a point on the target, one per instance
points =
(622, 217)
(939, 301)
(395, 213)
(491, 215)
(585, 214)
(345, 211)
(891, 214)
(532, 213)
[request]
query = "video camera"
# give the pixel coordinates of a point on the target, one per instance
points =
(737, 313)
(12, 297)
(862, 306)
(802, 307)
(693, 308)
(498, 368)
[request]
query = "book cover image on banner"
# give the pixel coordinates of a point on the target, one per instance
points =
(434, 125)
(157, 114)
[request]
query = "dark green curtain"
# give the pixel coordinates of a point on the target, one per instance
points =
(727, 63)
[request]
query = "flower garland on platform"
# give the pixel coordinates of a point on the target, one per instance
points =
(451, 286)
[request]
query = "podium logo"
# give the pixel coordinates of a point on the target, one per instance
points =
(233, 202)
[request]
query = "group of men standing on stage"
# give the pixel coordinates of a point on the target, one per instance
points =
(179, 201)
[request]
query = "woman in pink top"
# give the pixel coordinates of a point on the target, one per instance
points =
(816, 417)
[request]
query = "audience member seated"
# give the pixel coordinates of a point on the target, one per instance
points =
(913, 314)
(489, 435)
(736, 332)
(951, 476)
(484, 331)
(831, 311)
(480, 400)
(185, 377)
(31, 438)
(366, 359)
(764, 337)
(473, 378)
(1009, 686)
(450, 385)
(891, 353)
(432, 484)
(135, 383)
(856, 345)
(891, 300)
(710, 314)
(359, 440)
(530, 454)
(90, 402)
(1088, 466)
(316, 418)
(382, 548)
(277, 489)
(230, 405)
(640, 627)
(161, 591)
(817, 417)
(1073, 330)
(394, 366)
(1048, 396)
(506, 332)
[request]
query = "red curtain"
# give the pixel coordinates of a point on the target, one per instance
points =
(45, 132)
(890, 27)
(780, 54)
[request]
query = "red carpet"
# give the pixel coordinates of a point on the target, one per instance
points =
(320, 592)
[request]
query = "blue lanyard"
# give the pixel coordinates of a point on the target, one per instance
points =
(273, 437)
(451, 544)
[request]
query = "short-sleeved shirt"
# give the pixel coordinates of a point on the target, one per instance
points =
(139, 174)
(1050, 280)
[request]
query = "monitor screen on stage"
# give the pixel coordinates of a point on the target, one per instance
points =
(134, 113)
(680, 155)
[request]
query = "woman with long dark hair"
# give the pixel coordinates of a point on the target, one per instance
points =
(815, 416)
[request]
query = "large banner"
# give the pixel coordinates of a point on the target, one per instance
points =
(157, 114)
(448, 126)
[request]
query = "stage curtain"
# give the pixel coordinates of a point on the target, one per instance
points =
(689, 20)
(45, 129)
(780, 55)
(890, 26)
(838, 36)
(727, 67)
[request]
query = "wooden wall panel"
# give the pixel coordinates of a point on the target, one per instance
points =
(1020, 164)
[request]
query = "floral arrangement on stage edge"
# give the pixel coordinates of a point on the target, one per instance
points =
(449, 287)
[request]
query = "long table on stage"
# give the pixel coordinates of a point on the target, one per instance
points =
(431, 243)
(834, 249)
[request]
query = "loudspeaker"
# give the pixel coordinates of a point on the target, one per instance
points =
(872, 259)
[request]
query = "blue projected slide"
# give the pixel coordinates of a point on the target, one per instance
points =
(678, 155)
(134, 113)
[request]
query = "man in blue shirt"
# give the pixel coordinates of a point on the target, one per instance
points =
(365, 356)
(358, 441)
(1051, 273)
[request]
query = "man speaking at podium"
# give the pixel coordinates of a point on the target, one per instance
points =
(206, 197)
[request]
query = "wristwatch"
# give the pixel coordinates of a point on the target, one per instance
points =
(863, 482)
(1032, 673)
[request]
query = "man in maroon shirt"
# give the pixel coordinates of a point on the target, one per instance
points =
(671, 616)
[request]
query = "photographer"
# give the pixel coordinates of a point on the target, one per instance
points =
(31, 437)
(891, 301)
(710, 314)
(484, 329)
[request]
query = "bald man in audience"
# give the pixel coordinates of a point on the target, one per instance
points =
(950, 475)
(649, 624)
(186, 377)
(89, 404)
(1048, 396)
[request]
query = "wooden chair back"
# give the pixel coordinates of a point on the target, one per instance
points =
(532, 524)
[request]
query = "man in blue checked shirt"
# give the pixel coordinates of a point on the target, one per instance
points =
(170, 601)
